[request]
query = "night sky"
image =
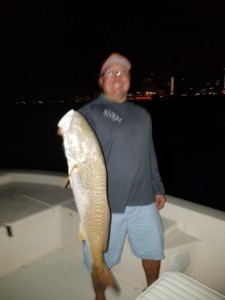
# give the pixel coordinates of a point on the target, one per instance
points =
(52, 49)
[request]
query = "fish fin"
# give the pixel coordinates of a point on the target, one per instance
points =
(67, 179)
(104, 278)
(82, 235)
(66, 182)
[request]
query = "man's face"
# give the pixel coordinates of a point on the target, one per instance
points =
(115, 82)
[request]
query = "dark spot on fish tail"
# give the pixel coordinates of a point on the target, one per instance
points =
(104, 279)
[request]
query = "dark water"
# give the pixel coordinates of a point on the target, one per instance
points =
(189, 135)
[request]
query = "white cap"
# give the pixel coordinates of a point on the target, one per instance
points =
(115, 58)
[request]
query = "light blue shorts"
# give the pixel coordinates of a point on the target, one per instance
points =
(143, 228)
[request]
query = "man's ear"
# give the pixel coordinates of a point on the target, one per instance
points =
(100, 82)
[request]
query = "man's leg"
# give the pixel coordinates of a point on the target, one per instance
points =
(146, 238)
(151, 268)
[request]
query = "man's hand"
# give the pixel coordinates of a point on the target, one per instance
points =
(160, 201)
(59, 132)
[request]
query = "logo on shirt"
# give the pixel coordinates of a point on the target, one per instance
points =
(112, 116)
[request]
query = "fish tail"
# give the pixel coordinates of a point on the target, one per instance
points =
(104, 278)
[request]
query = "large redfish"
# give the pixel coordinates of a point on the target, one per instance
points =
(87, 174)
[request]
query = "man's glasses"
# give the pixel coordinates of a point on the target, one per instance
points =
(115, 73)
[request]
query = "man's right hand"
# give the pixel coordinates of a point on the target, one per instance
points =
(59, 132)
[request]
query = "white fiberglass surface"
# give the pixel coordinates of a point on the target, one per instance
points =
(56, 276)
(19, 200)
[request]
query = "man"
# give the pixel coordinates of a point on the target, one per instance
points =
(135, 190)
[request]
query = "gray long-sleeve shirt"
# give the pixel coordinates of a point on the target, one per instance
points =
(125, 134)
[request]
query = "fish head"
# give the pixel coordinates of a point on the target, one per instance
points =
(79, 139)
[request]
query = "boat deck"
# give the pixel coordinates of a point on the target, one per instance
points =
(58, 274)
(40, 254)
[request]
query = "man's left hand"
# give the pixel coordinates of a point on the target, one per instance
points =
(160, 201)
